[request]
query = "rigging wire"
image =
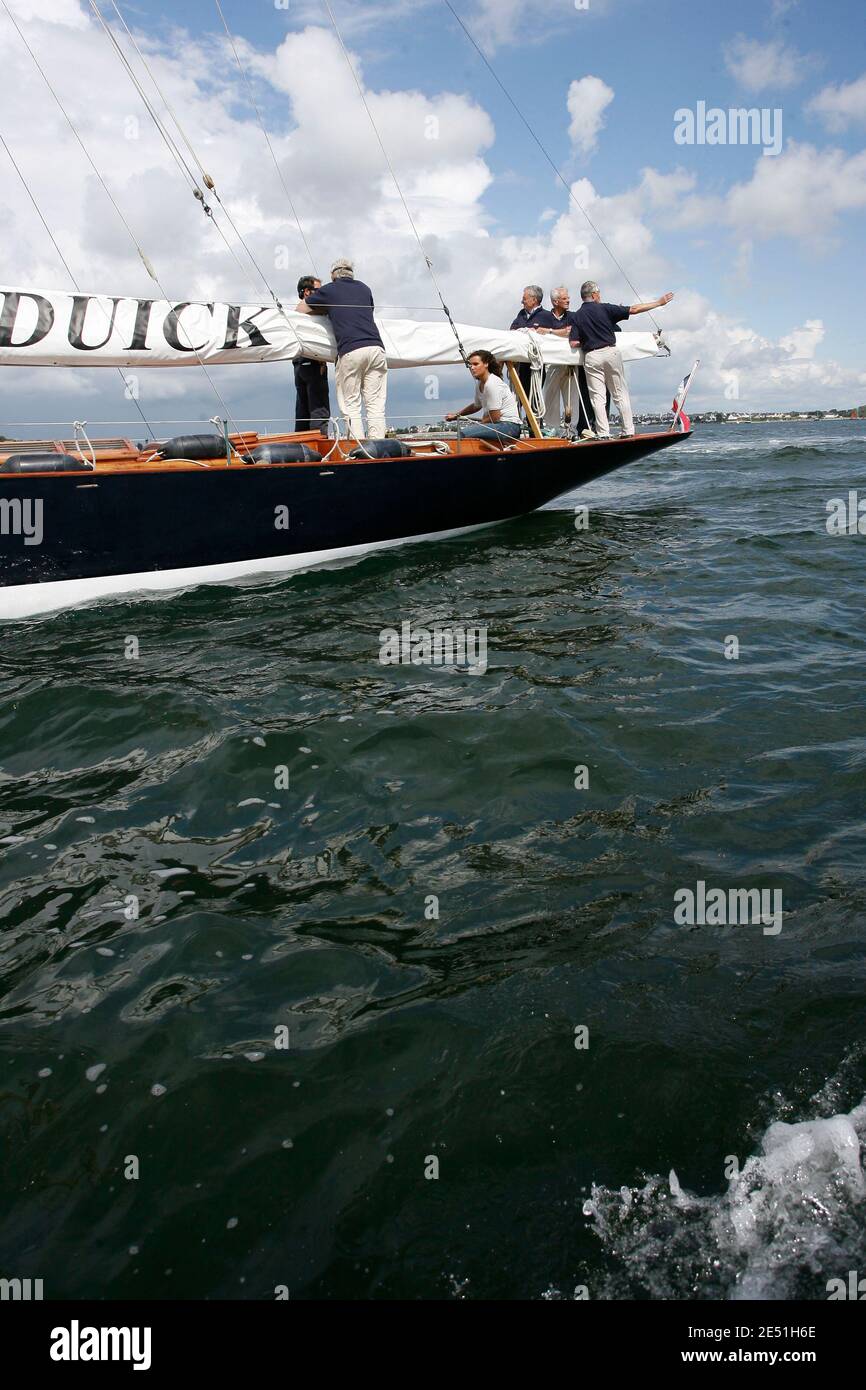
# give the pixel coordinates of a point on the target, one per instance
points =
(162, 129)
(167, 137)
(391, 170)
(147, 265)
(565, 184)
(168, 106)
(209, 182)
(27, 190)
(66, 266)
(206, 177)
(145, 262)
(255, 107)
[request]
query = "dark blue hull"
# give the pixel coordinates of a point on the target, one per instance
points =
(131, 523)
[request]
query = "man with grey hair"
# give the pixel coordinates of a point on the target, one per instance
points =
(594, 329)
(531, 301)
(530, 316)
(564, 386)
(361, 373)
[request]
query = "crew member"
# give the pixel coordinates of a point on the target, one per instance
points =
(530, 316)
(593, 329)
(361, 374)
(564, 384)
(312, 401)
(500, 422)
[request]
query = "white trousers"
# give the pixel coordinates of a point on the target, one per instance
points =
(604, 369)
(362, 379)
(559, 394)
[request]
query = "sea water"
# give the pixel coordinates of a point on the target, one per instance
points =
(379, 965)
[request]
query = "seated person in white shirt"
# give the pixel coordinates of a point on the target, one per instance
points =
(500, 421)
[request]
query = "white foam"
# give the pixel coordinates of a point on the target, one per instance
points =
(790, 1220)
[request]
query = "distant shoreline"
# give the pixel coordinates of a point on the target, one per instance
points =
(759, 417)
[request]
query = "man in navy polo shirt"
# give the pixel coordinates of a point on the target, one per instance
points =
(361, 373)
(530, 316)
(594, 330)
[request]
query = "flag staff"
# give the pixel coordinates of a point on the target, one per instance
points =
(683, 391)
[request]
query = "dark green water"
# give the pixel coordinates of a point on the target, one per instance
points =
(451, 1038)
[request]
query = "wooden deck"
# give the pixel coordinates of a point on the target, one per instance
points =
(121, 455)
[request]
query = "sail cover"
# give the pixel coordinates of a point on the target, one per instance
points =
(53, 328)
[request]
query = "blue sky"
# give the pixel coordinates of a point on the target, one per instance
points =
(657, 55)
(764, 252)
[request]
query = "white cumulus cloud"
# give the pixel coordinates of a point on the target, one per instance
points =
(799, 194)
(760, 66)
(842, 105)
(333, 167)
(588, 99)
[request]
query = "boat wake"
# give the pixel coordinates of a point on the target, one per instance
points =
(791, 1221)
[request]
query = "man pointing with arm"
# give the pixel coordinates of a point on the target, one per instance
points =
(594, 330)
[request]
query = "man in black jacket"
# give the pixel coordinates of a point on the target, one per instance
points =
(312, 401)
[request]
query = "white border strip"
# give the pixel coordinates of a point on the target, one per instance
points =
(28, 600)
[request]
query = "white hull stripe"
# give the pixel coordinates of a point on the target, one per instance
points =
(27, 600)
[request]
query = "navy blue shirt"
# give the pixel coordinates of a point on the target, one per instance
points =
(534, 319)
(594, 324)
(350, 308)
(548, 319)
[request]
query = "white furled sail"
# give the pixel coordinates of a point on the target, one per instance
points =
(53, 328)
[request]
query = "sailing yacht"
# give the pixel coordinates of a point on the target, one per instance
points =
(82, 519)
(115, 517)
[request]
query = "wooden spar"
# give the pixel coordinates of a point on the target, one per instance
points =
(524, 400)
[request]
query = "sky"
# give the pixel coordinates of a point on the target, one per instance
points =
(761, 240)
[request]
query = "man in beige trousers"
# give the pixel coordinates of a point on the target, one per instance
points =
(361, 372)
(593, 328)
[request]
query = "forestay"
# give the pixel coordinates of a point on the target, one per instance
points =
(53, 328)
